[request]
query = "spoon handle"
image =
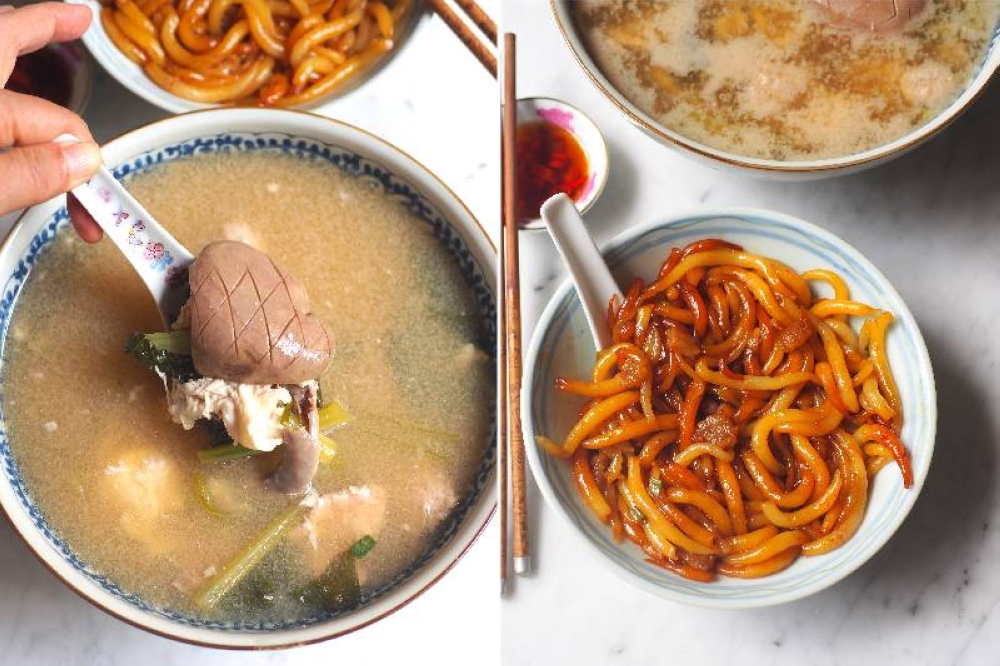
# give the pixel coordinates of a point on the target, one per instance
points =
(594, 282)
(156, 256)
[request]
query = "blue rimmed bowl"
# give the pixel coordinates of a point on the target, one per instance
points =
(562, 347)
(308, 137)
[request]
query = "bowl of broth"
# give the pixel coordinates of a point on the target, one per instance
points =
(114, 499)
(781, 88)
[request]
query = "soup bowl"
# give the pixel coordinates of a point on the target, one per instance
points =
(769, 168)
(308, 137)
(562, 347)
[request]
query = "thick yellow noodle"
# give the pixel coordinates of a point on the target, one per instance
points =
(266, 52)
(735, 422)
(243, 85)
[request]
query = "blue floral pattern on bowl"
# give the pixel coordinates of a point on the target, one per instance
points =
(350, 162)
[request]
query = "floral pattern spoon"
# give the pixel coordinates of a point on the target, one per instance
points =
(159, 259)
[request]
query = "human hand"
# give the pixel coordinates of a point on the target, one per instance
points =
(33, 166)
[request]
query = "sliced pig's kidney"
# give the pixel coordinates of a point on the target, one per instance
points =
(251, 322)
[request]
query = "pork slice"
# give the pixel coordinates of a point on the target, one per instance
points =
(717, 429)
(299, 462)
(251, 321)
(880, 16)
(300, 453)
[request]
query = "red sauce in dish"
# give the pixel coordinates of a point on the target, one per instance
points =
(44, 74)
(550, 160)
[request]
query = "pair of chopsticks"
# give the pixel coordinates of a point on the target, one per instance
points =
(471, 29)
(509, 418)
(509, 433)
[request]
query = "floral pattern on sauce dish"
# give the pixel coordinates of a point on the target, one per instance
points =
(558, 117)
(569, 120)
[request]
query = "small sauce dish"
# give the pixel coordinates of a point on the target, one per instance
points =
(559, 149)
(60, 73)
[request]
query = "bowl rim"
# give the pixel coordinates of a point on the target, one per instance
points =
(776, 168)
(601, 143)
(474, 523)
(534, 454)
(121, 68)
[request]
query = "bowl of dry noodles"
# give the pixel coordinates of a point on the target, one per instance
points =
(183, 55)
(761, 425)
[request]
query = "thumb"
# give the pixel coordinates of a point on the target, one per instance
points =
(35, 173)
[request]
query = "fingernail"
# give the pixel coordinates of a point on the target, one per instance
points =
(82, 160)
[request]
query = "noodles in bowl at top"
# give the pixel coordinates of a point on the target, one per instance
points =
(736, 421)
(264, 52)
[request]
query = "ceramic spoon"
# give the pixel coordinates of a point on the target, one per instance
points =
(594, 282)
(155, 255)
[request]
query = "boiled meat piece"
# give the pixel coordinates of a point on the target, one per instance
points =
(873, 15)
(251, 321)
(299, 462)
(300, 454)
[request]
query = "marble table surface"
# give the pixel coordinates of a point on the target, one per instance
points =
(931, 222)
(449, 123)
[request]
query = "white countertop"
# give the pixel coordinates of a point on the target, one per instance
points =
(437, 103)
(931, 222)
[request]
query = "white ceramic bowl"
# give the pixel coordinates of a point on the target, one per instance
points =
(586, 132)
(562, 346)
(315, 138)
(777, 169)
(131, 76)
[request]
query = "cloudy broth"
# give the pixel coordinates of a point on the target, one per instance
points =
(781, 79)
(123, 485)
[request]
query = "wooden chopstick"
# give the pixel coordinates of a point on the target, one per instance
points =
(480, 18)
(512, 310)
(481, 49)
(502, 394)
